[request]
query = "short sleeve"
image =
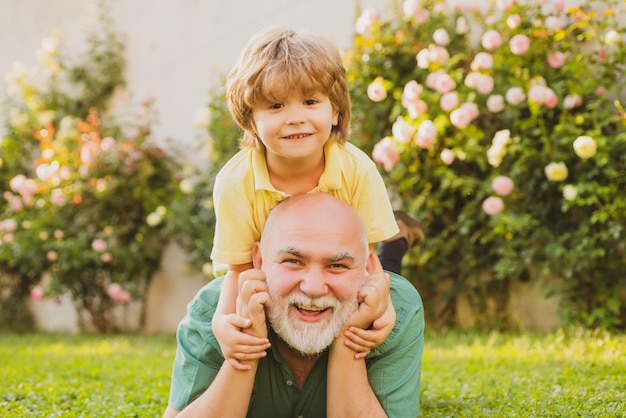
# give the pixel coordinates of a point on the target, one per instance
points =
(198, 357)
(394, 368)
(235, 229)
(374, 206)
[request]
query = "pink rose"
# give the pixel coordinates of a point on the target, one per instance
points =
(107, 144)
(502, 185)
(513, 21)
(117, 293)
(464, 115)
(364, 23)
(449, 101)
(485, 84)
(106, 257)
(376, 91)
(412, 90)
(423, 58)
(493, 205)
(402, 131)
(441, 37)
(386, 153)
(505, 5)
(495, 103)
(515, 96)
(52, 256)
(519, 44)
(472, 79)
(543, 95)
(426, 134)
(556, 59)
(443, 83)
(572, 101)
(491, 40)
(416, 108)
(88, 153)
(99, 245)
(438, 54)
(8, 225)
(554, 23)
(413, 8)
(57, 198)
(482, 61)
(8, 238)
(447, 156)
(37, 293)
(559, 5)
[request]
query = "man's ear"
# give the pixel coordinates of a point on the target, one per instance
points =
(373, 264)
(257, 260)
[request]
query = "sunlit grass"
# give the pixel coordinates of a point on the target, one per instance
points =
(577, 373)
(465, 374)
(85, 376)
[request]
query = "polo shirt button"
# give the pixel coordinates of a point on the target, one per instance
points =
(289, 383)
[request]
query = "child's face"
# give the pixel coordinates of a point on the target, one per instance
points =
(296, 127)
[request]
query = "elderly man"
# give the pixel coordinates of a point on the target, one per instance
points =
(313, 278)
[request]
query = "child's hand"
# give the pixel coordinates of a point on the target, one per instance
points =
(362, 341)
(375, 317)
(236, 345)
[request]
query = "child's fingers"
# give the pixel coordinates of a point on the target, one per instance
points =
(237, 365)
(238, 321)
(359, 350)
(362, 338)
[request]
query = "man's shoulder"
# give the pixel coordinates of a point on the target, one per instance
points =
(407, 303)
(205, 300)
(403, 290)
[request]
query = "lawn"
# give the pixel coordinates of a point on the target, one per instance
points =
(465, 374)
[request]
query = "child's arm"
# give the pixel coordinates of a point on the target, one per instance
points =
(236, 345)
(362, 341)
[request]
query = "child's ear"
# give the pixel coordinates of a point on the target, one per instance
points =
(336, 118)
(257, 260)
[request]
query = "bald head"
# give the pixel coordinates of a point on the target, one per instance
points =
(316, 215)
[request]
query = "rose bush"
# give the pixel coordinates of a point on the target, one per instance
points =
(504, 131)
(84, 192)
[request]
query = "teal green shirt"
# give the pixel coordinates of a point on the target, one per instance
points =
(393, 368)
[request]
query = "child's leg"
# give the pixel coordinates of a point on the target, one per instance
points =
(392, 251)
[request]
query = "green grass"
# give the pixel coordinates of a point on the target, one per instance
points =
(562, 374)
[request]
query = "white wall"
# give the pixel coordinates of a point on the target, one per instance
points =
(176, 50)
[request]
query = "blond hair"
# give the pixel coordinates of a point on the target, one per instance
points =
(276, 60)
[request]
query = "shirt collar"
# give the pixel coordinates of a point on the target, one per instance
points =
(330, 179)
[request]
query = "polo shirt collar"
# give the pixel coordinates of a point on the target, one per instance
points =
(330, 179)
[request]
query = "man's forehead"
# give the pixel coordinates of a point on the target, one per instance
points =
(330, 255)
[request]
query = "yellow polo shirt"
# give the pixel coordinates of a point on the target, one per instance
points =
(243, 197)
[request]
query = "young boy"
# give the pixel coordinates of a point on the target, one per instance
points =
(289, 94)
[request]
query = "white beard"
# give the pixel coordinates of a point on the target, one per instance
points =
(309, 338)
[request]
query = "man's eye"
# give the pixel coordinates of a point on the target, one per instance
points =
(337, 266)
(291, 261)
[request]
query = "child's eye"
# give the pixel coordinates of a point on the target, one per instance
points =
(311, 102)
(276, 106)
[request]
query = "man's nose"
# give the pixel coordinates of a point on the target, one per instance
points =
(312, 282)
